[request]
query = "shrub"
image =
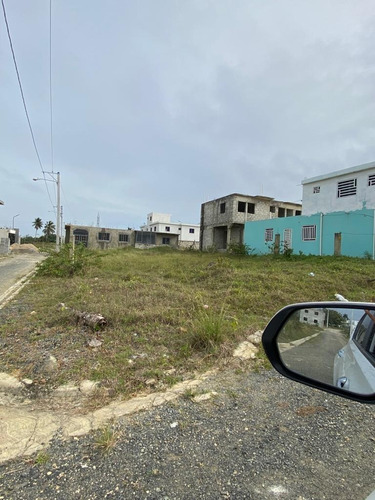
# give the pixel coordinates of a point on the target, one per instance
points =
(65, 263)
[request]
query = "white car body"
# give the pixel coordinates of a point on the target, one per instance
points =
(354, 364)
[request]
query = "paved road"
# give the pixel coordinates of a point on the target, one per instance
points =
(14, 268)
(314, 358)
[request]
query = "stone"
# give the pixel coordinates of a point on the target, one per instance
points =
(246, 350)
(255, 338)
(9, 383)
(87, 387)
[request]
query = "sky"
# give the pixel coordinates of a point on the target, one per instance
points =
(162, 105)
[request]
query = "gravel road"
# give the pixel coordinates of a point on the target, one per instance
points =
(261, 437)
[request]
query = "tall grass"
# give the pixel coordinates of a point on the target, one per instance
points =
(157, 323)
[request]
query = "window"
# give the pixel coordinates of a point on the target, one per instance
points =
(167, 228)
(155, 228)
(371, 180)
(308, 233)
(81, 236)
(191, 230)
(364, 335)
(289, 212)
(123, 237)
(145, 238)
(316, 189)
(103, 236)
(251, 208)
(268, 236)
(287, 238)
(272, 209)
(298, 212)
(222, 208)
(347, 188)
(281, 212)
(166, 241)
(241, 206)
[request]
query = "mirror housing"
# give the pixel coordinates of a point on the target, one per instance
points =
(276, 329)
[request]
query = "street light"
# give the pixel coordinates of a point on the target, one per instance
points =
(14, 216)
(55, 178)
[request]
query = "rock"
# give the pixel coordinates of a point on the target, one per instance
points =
(27, 382)
(170, 372)
(95, 343)
(204, 397)
(88, 387)
(50, 364)
(255, 338)
(150, 381)
(67, 390)
(245, 351)
(9, 383)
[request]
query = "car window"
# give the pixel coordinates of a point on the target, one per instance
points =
(364, 334)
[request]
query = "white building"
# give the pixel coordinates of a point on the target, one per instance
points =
(188, 234)
(344, 190)
(315, 317)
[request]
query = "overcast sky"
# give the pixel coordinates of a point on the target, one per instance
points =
(161, 105)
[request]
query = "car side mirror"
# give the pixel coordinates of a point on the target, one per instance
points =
(326, 345)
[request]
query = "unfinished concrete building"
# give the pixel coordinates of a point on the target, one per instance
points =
(223, 220)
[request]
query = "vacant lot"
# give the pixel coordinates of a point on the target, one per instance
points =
(168, 313)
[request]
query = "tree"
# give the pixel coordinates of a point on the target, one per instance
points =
(37, 224)
(49, 229)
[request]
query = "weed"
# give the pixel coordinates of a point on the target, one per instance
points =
(106, 438)
(42, 458)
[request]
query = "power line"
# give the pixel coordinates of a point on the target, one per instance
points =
(20, 85)
(23, 98)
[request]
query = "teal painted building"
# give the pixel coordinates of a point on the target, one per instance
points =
(334, 233)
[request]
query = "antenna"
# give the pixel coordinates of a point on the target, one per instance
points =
(98, 220)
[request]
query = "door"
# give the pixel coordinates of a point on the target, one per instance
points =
(337, 244)
(276, 249)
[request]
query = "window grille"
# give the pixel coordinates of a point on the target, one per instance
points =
(347, 188)
(371, 180)
(268, 236)
(287, 238)
(308, 233)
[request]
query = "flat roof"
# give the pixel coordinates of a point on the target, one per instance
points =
(338, 173)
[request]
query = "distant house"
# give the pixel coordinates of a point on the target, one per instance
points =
(223, 220)
(98, 238)
(343, 190)
(337, 218)
(187, 234)
(105, 238)
(7, 238)
(336, 233)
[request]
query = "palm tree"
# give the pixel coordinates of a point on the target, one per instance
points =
(49, 229)
(37, 224)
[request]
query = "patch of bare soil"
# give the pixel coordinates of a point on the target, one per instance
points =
(24, 248)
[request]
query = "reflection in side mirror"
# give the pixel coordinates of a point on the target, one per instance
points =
(332, 345)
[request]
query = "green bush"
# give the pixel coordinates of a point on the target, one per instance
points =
(67, 262)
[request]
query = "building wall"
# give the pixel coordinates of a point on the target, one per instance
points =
(353, 232)
(188, 234)
(223, 219)
(4, 241)
(105, 238)
(320, 194)
(96, 237)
